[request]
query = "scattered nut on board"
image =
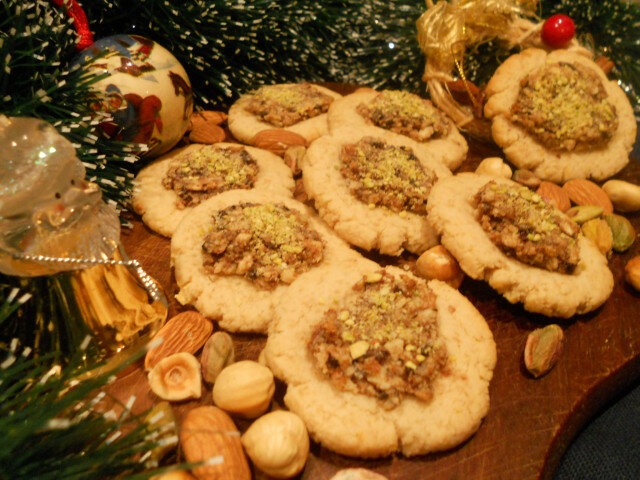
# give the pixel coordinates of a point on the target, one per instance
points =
(543, 349)
(244, 388)
(207, 434)
(632, 272)
(625, 196)
(277, 444)
(186, 332)
(176, 377)
(437, 263)
(357, 474)
(495, 167)
(217, 354)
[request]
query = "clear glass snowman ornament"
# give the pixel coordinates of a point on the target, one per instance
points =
(52, 220)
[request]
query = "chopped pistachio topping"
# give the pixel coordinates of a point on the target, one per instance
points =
(525, 227)
(285, 105)
(406, 114)
(386, 176)
(202, 173)
(565, 107)
(268, 244)
(382, 340)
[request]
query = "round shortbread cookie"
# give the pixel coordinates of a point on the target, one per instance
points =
(450, 149)
(237, 303)
(158, 205)
(376, 228)
(524, 151)
(244, 125)
(356, 424)
(541, 291)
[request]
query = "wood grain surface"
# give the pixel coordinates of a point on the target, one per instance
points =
(531, 421)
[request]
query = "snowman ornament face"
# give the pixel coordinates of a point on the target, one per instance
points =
(47, 208)
(146, 95)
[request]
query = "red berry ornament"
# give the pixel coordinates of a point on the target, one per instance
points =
(558, 30)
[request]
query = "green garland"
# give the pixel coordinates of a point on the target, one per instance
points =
(50, 426)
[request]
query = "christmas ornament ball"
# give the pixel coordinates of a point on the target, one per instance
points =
(147, 91)
(558, 30)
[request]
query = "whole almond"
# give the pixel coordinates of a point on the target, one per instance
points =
(554, 195)
(585, 192)
(278, 140)
(186, 332)
(207, 116)
(208, 434)
(207, 133)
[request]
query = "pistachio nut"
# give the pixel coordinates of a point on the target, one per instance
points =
(584, 213)
(217, 354)
(623, 232)
(543, 349)
(625, 196)
(599, 232)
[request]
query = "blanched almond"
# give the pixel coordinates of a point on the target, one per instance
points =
(585, 192)
(278, 140)
(554, 195)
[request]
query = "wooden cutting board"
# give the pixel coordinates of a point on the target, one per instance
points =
(531, 421)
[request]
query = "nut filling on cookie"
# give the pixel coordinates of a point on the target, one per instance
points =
(406, 114)
(199, 175)
(524, 226)
(382, 340)
(565, 107)
(285, 105)
(268, 244)
(387, 176)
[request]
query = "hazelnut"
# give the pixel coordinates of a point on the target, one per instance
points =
(632, 272)
(438, 263)
(244, 388)
(357, 474)
(494, 167)
(277, 444)
(176, 377)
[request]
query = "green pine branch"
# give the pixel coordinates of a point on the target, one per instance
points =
(37, 47)
(50, 425)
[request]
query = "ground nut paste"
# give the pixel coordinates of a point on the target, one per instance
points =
(406, 114)
(382, 340)
(285, 105)
(268, 244)
(565, 107)
(526, 228)
(385, 175)
(203, 173)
